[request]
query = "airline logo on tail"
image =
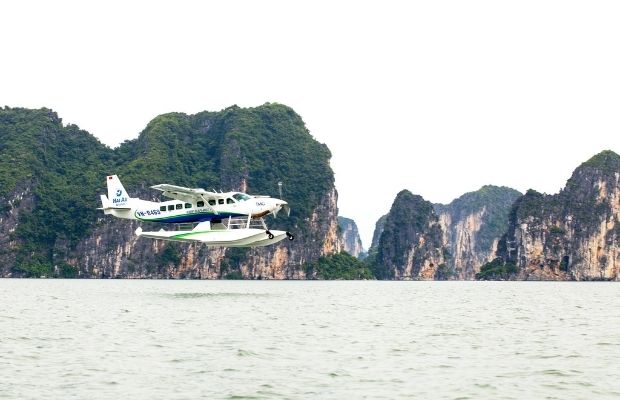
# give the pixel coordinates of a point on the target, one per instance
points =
(119, 200)
(116, 192)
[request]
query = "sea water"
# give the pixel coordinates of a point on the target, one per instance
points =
(123, 339)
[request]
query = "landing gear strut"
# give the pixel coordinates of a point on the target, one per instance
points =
(290, 236)
(269, 234)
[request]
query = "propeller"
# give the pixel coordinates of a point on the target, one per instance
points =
(285, 207)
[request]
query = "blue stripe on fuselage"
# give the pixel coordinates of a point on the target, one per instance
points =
(194, 218)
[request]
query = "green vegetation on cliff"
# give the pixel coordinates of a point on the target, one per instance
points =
(61, 166)
(496, 270)
(606, 161)
(253, 148)
(338, 266)
(63, 169)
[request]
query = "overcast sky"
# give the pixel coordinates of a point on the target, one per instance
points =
(438, 97)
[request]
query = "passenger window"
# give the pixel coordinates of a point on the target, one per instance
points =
(170, 207)
(211, 202)
(220, 201)
(187, 205)
(162, 208)
(200, 203)
(179, 206)
(229, 201)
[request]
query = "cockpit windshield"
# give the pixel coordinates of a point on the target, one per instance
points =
(241, 196)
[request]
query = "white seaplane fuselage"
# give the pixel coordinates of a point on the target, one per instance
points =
(231, 219)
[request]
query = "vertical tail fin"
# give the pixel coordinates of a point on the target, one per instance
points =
(117, 195)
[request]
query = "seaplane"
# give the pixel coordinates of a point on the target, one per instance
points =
(231, 219)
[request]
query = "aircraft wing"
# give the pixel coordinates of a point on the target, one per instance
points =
(187, 194)
(173, 189)
(183, 193)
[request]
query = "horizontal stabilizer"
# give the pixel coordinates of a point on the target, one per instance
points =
(107, 205)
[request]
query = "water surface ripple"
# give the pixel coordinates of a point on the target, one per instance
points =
(111, 339)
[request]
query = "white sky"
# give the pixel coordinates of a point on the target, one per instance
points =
(438, 97)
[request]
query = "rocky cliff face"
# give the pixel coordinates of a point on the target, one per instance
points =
(410, 246)
(449, 241)
(572, 235)
(51, 226)
(472, 226)
(113, 250)
(376, 235)
(20, 198)
(351, 241)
